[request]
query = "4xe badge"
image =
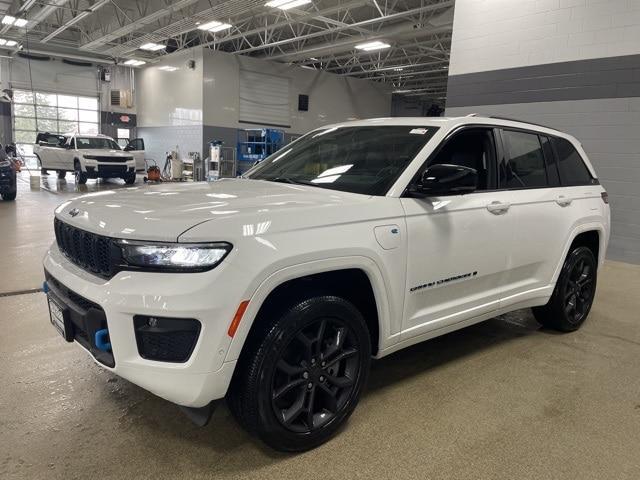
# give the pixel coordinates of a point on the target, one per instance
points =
(74, 212)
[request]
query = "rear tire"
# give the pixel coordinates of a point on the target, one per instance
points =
(302, 373)
(573, 295)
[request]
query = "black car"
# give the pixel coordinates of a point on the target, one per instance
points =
(8, 177)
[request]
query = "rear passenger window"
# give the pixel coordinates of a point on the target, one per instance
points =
(573, 171)
(523, 166)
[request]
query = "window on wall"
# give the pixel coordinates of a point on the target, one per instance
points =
(35, 112)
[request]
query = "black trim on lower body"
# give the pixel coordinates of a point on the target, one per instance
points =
(85, 318)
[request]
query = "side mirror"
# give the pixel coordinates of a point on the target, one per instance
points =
(445, 179)
(128, 148)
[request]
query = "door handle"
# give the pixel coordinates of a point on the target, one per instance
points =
(563, 201)
(498, 208)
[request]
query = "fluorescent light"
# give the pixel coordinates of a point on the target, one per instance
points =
(375, 45)
(8, 20)
(11, 43)
(152, 47)
(214, 26)
(286, 4)
(168, 68)
(398, 69)
(2, 42)
(21, 22)
(134, 63)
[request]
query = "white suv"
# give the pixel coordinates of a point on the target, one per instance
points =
(355, 241)
(87, 156)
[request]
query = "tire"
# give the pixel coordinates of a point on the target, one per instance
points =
(573, 295)
(314, 354)
(130, 179)
(81, 177)
(62, 174)
(9, 197)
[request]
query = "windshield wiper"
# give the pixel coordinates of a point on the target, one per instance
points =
(292, 181)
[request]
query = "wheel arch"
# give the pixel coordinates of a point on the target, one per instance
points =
(592, 235)
(342, 277)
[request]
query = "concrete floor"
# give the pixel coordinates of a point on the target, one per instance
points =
(500, 400)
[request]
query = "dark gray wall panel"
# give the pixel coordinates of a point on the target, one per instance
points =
(616, 77)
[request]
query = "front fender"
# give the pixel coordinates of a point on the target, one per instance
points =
(378, 282)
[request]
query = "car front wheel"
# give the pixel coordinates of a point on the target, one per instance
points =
(81, 177)
(302, 374)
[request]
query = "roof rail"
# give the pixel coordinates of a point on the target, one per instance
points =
(472, 115)
(496, 117)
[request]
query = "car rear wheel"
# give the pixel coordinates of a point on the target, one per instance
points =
(573, 295)
(302, 374)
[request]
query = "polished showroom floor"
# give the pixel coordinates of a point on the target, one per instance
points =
(500, 400)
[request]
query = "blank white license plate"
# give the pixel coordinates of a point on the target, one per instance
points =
(56, 315)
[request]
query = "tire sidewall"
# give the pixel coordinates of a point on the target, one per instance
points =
(294, 320)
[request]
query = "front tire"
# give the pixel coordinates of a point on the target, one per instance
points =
(81, 177)
(573, 295)
(130, 179)
(302, 374)
(62, 174)
(9, 197)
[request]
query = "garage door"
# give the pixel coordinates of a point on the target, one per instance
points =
(35, 112)
(264, 99)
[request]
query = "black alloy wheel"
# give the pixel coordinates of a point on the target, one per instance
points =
(315, 375)
(574, 292)
(578, 291)
(301, 373)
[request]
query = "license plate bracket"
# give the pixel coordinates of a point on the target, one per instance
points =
(59, 317)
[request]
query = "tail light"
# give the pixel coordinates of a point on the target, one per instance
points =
(605, 197)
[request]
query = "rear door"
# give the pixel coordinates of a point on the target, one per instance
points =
(458, 245)
(136, 147)
(544, 211)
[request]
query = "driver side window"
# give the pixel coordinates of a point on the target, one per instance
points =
(474, 148)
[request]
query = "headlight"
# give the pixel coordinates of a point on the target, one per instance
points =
(89, 157)
(187, 257)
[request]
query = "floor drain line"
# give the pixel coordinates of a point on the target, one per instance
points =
(21, 292)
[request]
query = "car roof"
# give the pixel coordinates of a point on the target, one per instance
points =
(452, 122)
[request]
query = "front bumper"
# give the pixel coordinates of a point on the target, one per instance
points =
(205, 376)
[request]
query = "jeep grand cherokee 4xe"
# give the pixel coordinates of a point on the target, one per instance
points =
(358, 239)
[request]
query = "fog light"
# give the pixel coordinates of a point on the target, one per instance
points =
(166, 339)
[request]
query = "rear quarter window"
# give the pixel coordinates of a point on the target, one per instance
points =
(571, 166)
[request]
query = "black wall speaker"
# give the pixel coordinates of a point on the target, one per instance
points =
(303, 103)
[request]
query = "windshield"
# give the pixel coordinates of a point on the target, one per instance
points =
(352, 159)
(98, 143)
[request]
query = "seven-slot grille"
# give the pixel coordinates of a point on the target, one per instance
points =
(87, 250)
(100, 158)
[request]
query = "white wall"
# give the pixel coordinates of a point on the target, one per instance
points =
(331, 98)
(499, 34)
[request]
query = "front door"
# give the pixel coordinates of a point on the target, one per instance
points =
(136, 148)
(457, 244)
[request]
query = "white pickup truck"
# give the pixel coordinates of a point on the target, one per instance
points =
(89, 156)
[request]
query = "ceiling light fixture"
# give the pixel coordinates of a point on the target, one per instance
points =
(11, 43)
(8, 20)
(375, 45)
(134, 63)
(286, 4)
(21, 22)
(152, 47)
(168, 68)
(214, 26)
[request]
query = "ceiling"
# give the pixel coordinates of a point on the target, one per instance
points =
(321, 34)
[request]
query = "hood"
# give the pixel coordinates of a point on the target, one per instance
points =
(164, 212)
